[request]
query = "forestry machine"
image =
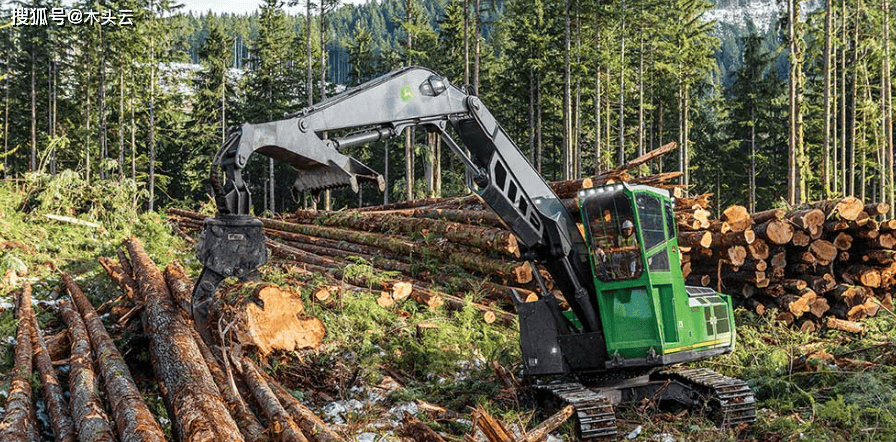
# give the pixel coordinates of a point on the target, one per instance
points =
(630, 316)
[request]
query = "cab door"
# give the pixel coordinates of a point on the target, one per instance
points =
(658, 233)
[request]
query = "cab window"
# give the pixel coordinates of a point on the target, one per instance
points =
(613, 237)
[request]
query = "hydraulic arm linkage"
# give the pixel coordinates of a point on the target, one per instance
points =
(232, 243)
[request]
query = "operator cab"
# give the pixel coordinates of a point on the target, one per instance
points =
(648, 315)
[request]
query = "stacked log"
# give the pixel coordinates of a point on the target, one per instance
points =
(133, 419)
(829, 259)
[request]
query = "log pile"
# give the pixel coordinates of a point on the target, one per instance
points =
(829, 263)
(210, 394)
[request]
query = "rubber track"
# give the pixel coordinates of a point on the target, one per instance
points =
(732, 398)
(596, 418)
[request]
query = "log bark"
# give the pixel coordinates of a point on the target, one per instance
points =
(125, 262)
(86, 405)
(880, 256)
(57, 407)
(767, 215)
(252, 430)
(696, 239)
(820, 284)
(519, 273)
(118, 274)
(18, 425)
(133, 419)
(877, 209)
(475, 217)
(566, 189)
(281, 424)
(199, 412)
(653, 154)
(486, 238)
(312, 426)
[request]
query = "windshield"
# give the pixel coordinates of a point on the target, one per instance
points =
(615, 251)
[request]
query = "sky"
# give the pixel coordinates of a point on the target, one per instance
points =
(242, 6)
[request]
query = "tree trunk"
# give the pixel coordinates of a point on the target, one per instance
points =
(86, 404)
(61, 420)
(567, 98)
(792, 158)
(476, 51)
(620, 150)
(466, 43)
(33, 94)
(597, 94)
(281, 424)
(483, 237)
(826, 176)
(181, 288)
(134, 420)
(199, 413)
(101, 91)
(854, 105)
(312, 426)
(18, 424)
(152, 116)
(309, 82)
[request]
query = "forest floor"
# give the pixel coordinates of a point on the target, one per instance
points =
(376, 362)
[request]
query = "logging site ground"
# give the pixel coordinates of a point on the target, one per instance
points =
(381, 360)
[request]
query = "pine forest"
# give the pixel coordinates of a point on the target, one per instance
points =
(796, 112)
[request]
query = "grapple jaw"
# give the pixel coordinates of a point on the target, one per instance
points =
(332, 175)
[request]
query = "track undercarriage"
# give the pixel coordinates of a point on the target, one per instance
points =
(729, 401)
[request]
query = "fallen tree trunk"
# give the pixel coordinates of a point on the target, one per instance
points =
(61, 420)
(475, 217)
(199, 413)
(519, 273)
(18, 424)
(122, 278)
(486, 238)
(281, 425)
(181, 287)
(312, 426)
(132, 417)
(86, 405)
